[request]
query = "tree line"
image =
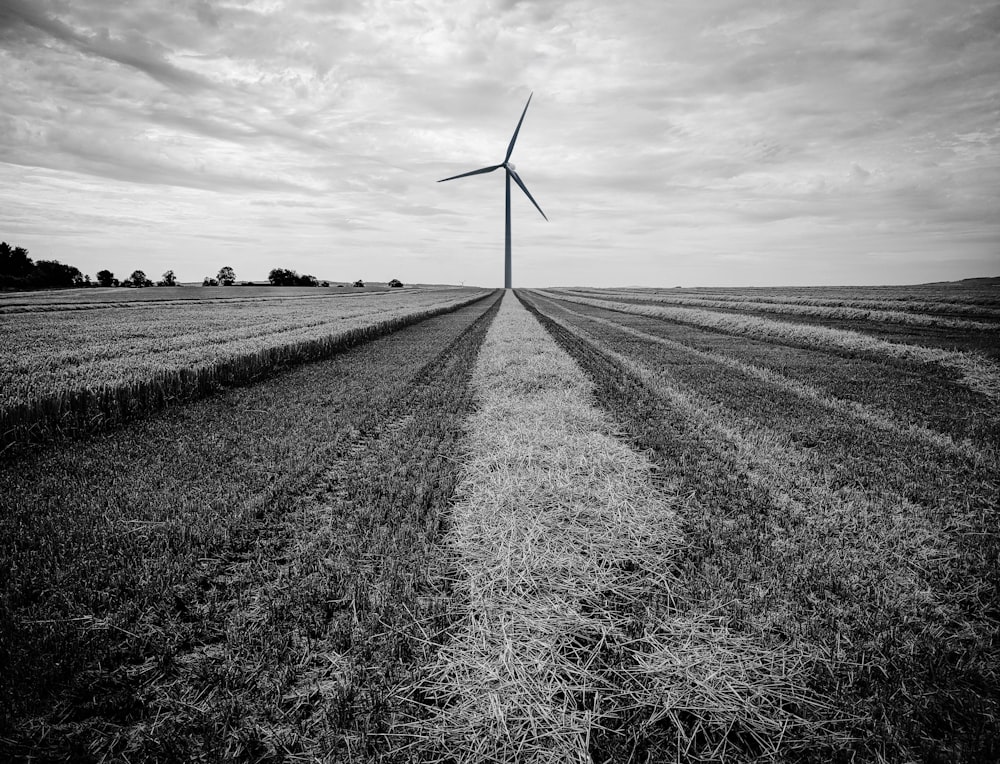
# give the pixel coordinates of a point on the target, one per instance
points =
(19, 271)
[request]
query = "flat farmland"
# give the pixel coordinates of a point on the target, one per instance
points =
(842, 484)
(177, 585)
(75, 360)
(558, 525)
(110, 297)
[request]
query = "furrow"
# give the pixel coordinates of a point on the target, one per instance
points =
(893, 597)
(570, 644)
(799, 308)
(179, 584)
(862, 413)
(976, 372)
(35, 408)
(946, 301)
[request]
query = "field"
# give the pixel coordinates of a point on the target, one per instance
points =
(74, 361)
(557, 525)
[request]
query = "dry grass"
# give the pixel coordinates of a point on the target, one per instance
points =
(950, 299)
(241, 579)
(47, 353)
(570, 644)
(883, 312)
(863, 413)
(78, 371)
(977, 372)
(883, 562)
(890, 541)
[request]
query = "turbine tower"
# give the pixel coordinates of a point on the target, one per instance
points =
(509, 170)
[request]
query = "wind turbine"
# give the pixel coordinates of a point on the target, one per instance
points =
(509, 170)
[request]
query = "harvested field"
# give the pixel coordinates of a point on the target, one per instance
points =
(66, 369)
(844, 501)
(100, 298)
(243, 575)
(939, 325)
(916, 312)
(572, 643)
(974, 370)
(564, 525)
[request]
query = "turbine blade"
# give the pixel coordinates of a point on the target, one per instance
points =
(517, 129)
(474, 172)
(517, 180)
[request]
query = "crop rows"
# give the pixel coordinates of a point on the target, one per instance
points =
(571, 642)
(823, 510)
(932, 298)
(560, 526)
(247, 576)
(100, 298)
(861, 310)
(71, 372)
(976, 371)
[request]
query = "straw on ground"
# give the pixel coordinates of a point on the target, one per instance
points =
(571, 645)
(976, 372)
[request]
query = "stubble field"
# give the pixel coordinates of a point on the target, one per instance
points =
(553, 525)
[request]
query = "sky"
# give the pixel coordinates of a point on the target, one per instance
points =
(669, 142)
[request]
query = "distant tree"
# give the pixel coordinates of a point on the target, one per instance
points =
(138, 279)
(169, 279)
(395, 283)
(14, 261)
(227, 276)
(209, 281)
(127, 283)
(53, 274)
(18, 271)
(87, 281)
(115, 282)
(324, 283)
(359, 283)
(105, 278)
(282, 277)
(306, 280)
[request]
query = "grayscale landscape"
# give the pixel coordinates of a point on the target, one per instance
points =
(713, 477)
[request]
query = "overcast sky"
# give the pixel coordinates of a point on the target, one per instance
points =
(685, 142)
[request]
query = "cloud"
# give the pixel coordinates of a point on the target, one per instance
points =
(131, 49)
(673, 137)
